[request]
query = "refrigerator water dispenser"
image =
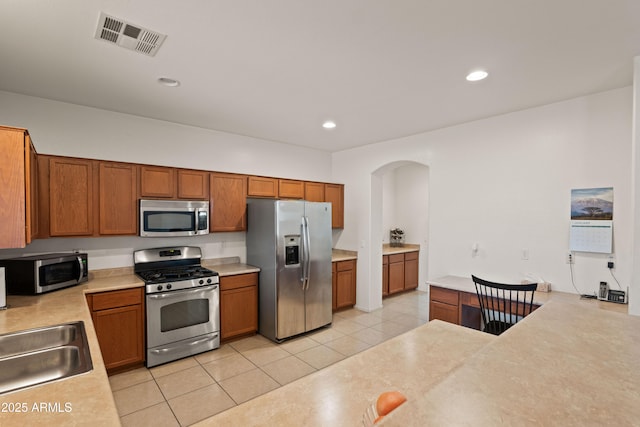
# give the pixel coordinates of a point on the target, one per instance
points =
(292, 250)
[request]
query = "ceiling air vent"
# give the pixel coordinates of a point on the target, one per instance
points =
(129, 36)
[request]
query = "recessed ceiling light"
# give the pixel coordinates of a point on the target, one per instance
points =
(477, 75)
(329, 124)
(166, 81)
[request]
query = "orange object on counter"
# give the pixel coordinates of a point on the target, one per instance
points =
(388, 401)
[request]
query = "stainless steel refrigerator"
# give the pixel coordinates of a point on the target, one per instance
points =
(290, 240)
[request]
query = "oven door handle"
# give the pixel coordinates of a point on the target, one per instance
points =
(180, 293)
(181, 346)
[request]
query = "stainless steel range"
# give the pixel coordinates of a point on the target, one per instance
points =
(183, 303)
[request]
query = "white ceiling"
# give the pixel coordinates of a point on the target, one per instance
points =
(275, 69)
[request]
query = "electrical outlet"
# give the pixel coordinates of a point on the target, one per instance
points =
(570, 259)
(610, 264)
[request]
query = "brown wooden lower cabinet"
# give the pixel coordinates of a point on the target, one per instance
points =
(399, 272)
(238, 305)
(118, 318)
(344, 284)
(444, 304)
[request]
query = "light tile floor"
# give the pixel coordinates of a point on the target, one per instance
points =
(188, 390)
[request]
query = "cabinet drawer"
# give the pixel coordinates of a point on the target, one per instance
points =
(114, 299)
(345, 265)
(396, 258)
(447, 296)
(238, 281)
(410, 256)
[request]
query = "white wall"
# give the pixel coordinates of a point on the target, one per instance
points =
(634, 303)
(70, 130)
(505, 183)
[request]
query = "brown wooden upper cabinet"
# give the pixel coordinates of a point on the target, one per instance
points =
(193, 185)
(290, 189)
(71, 196)
(314, 191)
(171, 183)
(228, 203)
(260, 186)
(118, 210)
(334, 193)
(157, 182)
(18, 192)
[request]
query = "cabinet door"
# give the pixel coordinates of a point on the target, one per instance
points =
(118, 207)
(385, 275)
(238, 312)
(71, 197)
(290, 189)
(345, 284)
(396, 276)
(334, 277)
(411, 270)
(228, 203)
(156, 181)
(120, 333)
(13, 231)
(314, 191)
(334, 193)
(259, 186)
(193, 185)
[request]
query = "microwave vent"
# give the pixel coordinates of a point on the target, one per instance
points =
(128, 36)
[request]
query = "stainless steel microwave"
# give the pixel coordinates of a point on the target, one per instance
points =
(37, 274)
(171, 218)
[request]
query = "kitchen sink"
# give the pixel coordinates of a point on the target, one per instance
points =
(40, 355)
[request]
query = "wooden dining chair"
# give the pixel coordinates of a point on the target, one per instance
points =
(501, 305)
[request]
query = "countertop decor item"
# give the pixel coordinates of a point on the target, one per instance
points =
(396, 238)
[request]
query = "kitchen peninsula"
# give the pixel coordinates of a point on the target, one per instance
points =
(571, 362)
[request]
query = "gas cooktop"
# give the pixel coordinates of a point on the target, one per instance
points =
(166, 269)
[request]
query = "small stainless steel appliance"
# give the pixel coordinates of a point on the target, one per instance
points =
(182, 303)
(290, 240)
(171, 218)
(37, 274)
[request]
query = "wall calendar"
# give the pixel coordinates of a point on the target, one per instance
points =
(591, 220)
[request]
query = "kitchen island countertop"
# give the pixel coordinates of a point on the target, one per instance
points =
(571, 362)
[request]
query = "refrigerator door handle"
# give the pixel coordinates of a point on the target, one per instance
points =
(305, 251)
(303, 254)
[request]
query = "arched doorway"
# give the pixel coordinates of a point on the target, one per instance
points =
(399, 198)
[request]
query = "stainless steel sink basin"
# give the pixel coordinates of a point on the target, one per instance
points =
(36, 356)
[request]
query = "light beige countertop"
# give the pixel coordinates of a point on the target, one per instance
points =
(339, 394)
(465, 284)
(88, 395)
(571, 362)
(229, 266)
(343, 255)
(387, 249)
(567, 363)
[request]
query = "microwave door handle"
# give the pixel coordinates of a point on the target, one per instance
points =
(198, 219)
(79, 258)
